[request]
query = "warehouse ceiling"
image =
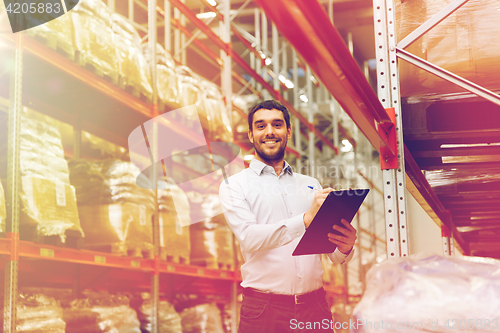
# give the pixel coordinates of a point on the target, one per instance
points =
(350, 16)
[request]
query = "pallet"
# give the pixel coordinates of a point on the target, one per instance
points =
(30, 233)
(140, 253)
(90, 66)
(212, 264)
(164, 256)
(51, 41)
(118, 249)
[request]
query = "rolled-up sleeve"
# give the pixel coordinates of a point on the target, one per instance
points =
(255, 237)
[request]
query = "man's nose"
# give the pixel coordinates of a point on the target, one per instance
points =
(269, 129)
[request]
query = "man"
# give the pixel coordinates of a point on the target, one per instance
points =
(269, 207)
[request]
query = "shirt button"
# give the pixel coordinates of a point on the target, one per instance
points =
(291, 213)
(300, 276)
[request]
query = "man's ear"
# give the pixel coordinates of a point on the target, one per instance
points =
(289, 133)
(250, 136)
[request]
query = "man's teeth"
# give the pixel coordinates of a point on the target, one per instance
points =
(270, 141)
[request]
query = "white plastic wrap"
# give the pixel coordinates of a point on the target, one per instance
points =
(203, 318)
(107, 313)
(169, 321)
(37, 313)
(132, 64)
(431, 293)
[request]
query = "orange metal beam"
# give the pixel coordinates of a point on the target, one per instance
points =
(307, 27)
(64, 254)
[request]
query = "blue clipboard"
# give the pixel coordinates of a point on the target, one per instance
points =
(337, 205)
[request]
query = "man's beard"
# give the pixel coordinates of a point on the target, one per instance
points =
(279, 155)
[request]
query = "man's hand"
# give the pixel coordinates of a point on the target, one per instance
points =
(319, 198)
(346, 242)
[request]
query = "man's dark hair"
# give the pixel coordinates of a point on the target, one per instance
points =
(268, 105)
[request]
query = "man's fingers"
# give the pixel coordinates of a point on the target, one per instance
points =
(347, 224)
(344, 231)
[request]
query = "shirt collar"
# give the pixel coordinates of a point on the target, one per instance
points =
(258, 166)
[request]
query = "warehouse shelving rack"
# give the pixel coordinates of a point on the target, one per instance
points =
(16, 251)
(389, 51)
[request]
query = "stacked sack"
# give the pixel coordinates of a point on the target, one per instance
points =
(190, 94)
(166, 77)
(174, 224)
(169, 321)
(211, 238)
(219, 125)
(116, 214)
(132, 64)
(57, 33)
(48, 201)
(101, 314)
(94, 37)
(39, 313)
(202, 318)
(3, 210)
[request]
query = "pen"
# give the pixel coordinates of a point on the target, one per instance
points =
(311, 187)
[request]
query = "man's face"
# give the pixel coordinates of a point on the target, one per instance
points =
(269, 135)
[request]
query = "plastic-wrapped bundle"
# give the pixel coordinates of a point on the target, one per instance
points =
(132, 64)
(446, 181)
(117, 228)
(227, 317)
(104, 314)
(57, 33)
(115, 213)
(48, 207)
(190, 94)
(166, 77)
(465, 43)
(203, 318)
(108, 182)
(48, 202)
(94, 38)
(42, 153)
(219, 124)
(37, 313)
(169, 321)
(3, 210)
(211, 239)
(431, 293)
(174, 221)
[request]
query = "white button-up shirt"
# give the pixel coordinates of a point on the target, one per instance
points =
(266, 213)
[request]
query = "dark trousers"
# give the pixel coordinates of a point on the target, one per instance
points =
(260, 315)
